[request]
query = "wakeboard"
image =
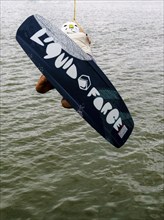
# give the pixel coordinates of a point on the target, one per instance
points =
(77, 77)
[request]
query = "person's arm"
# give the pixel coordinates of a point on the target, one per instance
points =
(88, 39)
(82, 30)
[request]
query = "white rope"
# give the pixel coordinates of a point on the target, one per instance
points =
(74, 18)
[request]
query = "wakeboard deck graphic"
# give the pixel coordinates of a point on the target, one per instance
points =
(77, 77)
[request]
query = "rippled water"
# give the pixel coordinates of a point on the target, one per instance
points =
(54, 166)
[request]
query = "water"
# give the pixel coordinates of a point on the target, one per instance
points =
(54, 166)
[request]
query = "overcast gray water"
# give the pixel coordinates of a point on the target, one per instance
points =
(54, 166)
